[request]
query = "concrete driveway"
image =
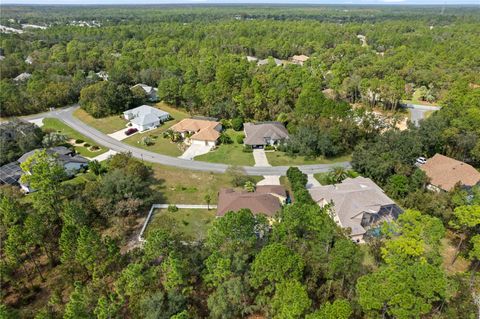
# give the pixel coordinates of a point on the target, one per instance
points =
(260, 158)
(312, 182)
(195, 150)
(120, 135)
(418, 111)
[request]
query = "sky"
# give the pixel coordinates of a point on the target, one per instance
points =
(343, 2)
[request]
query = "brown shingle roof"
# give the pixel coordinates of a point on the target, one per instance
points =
(444, 172)
(258, 133)
(204, 130)
(301, 58)
(265, 200)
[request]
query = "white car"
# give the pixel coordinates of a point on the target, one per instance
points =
(421, 160)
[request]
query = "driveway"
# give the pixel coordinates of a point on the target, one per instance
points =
(37, 122)
(260, 158)
(312, 182)
(195, 150)
(417, 111)
(269, 180)
(65, 115)
(103, 156)
(120, 135)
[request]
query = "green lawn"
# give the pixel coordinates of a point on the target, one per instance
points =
(181, 186)
(60, 127)
(161, 145)
(322, 178)
(193, 223)
(229, 153)
(282, 159)
(105, 125)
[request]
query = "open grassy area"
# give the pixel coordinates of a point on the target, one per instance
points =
(193, 223)
(161, 145)
(282, 159)
(229, 153)
(323, 177)
(105, 125)
(60, 127)
(180, 186)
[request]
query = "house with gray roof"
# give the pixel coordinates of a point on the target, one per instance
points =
(146, 117)
(277, 62)
(357, 204)
(150, 92)
(258, 135)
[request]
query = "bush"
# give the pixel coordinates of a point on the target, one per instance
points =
(269, 148)
(172, 208)
(298, 180)
(239, 138)
(225, 139)
(79, 141)
(237, 124)
(94, 148)
(147, 141)
(86, 145)
(248, 149)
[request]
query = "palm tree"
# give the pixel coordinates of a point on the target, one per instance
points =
(249, 186)
(208, 199)
(337, 174)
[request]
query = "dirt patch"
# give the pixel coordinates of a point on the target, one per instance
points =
(448, 251)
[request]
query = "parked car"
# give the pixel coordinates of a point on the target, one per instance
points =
(130, 131)
(421, 160)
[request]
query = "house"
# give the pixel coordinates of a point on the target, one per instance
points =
(299, 59)
(199, 131)
(72, 163)
(258, 135)
(266, 199)
(150, 92)
(445, 172)
(146, 117)
(358, 204)
(277, 62)
(22, 77)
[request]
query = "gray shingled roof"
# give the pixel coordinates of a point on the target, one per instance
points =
(145, 114)
(352, 198)
(64, 155)
(258, 133)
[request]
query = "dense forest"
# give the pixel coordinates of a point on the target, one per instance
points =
(60, 258)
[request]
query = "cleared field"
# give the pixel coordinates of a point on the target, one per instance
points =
(175, 185)
(282, 159)
(60, 127)
(105, 125)
(229, 153)
(192, 223)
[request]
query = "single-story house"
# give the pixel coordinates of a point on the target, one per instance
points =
(266, 199)
(205, 132)
(146, 117)
(299, 59)
(277, 62)
(71, 162)
(358, 204)
(445, 172)
(150, 92)
(259, 135)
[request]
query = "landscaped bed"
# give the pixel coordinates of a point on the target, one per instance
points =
(231, 154)
(83, 145)
(192, 223)
(282, 159)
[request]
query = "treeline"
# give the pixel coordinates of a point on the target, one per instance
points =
(201, 65)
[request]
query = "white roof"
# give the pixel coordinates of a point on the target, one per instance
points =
(145, 114)
(148, 89)
(22, 77)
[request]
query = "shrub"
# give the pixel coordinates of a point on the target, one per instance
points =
(225, 139)
(86, 145)
(147, 141)
(79, 141)
(172, 208)
(269, 147)
(248, 149)
(94, 148)
(237, 124)
(239, 138)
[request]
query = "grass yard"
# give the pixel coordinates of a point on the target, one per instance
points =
(60, 127)
(105, 125)
(193, 223)
(229, 153)
(282, 159)
(161, 145)
(180, 186)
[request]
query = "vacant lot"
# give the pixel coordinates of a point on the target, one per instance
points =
(160, 145)
(282, 159)
(193, 223)
(105, 125)
(60, 127)
(180, 186)
(229, 153)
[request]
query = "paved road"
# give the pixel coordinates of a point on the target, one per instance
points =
(418, 111)
(66, 115)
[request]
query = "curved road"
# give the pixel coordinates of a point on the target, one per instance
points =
(66, 115)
